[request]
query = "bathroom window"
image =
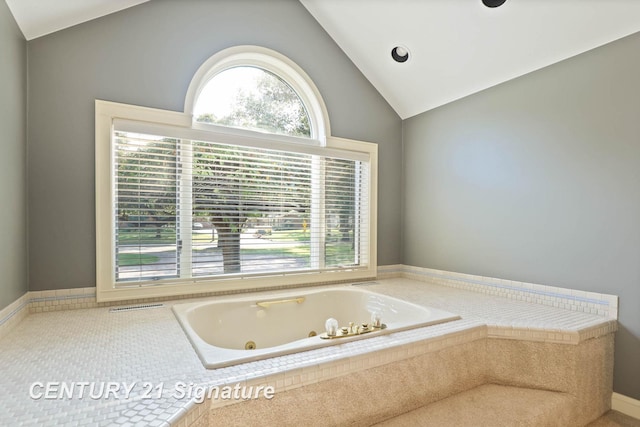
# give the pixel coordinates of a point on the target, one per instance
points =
(193, 208)
(250, 97)
(240, 194)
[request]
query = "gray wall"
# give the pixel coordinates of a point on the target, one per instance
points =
(13, 211)
(147, 55)
(538, 180)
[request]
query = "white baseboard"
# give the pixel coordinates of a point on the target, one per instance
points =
(626, 405)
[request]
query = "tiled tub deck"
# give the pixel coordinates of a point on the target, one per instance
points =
(148, 348)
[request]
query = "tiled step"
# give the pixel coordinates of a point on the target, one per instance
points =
(492, 405)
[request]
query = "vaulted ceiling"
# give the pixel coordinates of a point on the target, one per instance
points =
(456, 47)
(459, 47)
(37, 18)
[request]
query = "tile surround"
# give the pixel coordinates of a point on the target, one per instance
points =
(569, 299)
(556, 315)
(95, 345)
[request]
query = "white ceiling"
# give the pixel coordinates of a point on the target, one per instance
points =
(40, 17)
(458, 47)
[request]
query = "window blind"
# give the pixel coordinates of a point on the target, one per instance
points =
(189, 209)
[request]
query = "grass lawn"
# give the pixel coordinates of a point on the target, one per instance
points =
(337, 252)
(149, 236)
(125, 260)
(290, 236)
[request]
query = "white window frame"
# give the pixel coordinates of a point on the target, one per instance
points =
(182, 125)
(275, 63)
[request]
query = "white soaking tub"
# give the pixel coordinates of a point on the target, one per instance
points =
(221, 331)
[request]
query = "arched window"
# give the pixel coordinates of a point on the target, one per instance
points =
(245, 189)
(241, 69)
(252, 98)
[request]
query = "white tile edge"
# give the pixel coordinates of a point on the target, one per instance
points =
(11, 309)
(626, 405)
(604, 305)
(13, 313)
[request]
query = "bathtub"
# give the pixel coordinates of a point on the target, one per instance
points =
(220, 331)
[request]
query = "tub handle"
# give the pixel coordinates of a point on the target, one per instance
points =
(267, 304)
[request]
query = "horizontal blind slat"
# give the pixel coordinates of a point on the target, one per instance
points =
(239, 188)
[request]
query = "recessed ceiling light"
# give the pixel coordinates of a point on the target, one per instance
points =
(400, 54)
(493, 3)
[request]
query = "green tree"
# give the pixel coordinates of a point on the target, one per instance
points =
(341, 192)
(273, 106)
(146, 183)
(232, 185)
(224, 179)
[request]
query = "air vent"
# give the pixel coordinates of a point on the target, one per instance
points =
(365, 284)
(135, 307)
